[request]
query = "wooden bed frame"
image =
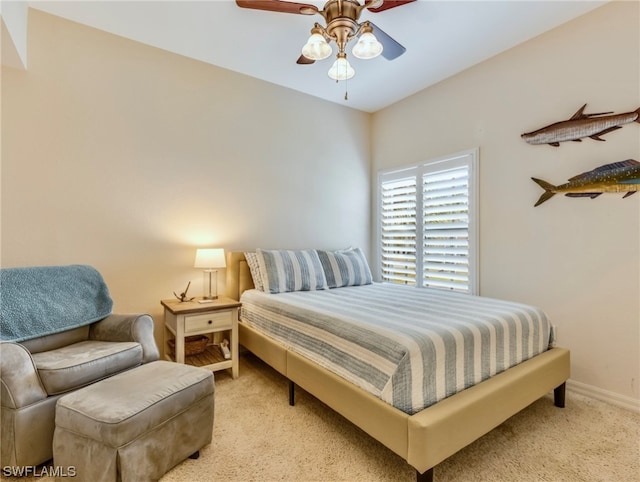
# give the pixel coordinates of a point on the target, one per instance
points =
(428, 437)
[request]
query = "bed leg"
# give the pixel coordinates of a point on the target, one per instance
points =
(558, 395)
(292, 393)
(426, 477)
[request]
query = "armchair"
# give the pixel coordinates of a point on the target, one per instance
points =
(57, 334)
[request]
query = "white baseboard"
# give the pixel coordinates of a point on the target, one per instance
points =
(613, 398)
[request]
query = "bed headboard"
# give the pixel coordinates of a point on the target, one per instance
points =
(238, 275)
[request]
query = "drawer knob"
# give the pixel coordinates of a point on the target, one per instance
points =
(210, 321)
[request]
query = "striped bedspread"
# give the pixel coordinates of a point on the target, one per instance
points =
(409, 347)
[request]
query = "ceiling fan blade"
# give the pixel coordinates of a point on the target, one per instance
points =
(390, 4)
(302, 60)
(391, 49)
(279, 6)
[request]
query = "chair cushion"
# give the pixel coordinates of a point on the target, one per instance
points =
(57, 340)
(82, 363)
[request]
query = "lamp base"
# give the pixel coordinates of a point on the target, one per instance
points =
(210, 286)
(208, 300)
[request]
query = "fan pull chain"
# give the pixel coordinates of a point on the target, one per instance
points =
(346, 94)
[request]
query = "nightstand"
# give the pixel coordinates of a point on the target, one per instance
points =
(217, 320)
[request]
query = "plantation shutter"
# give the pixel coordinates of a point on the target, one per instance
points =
(427, 226)
(445, 241)
(399, 224)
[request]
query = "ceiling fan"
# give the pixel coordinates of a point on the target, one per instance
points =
(341, 18)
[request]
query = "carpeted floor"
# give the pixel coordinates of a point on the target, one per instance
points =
(258, 437)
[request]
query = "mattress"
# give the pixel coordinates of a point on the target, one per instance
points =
(409, 347)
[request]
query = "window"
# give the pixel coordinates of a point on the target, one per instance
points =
(427, 223)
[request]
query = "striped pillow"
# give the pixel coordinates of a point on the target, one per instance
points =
(254, 268)
(345, 268)
(284, 270)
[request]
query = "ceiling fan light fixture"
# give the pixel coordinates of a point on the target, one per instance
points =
(341, 69)
(316, 47)
(367, 47)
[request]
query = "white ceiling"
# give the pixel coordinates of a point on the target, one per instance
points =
(441, 38)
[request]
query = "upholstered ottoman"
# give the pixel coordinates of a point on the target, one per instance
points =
(136, 425)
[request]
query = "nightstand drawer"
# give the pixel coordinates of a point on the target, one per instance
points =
(217, 320)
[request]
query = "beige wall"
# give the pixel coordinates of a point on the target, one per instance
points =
(579, 259)
(127, 157)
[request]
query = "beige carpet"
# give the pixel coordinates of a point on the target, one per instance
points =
(259, 437)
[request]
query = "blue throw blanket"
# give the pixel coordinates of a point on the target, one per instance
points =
(38, 301)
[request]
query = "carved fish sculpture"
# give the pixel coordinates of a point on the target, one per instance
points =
(581, 125)
(616, 177)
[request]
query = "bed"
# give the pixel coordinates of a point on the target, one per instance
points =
(424, 437)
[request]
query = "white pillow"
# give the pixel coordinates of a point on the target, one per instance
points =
(291, 270)
(254, 268)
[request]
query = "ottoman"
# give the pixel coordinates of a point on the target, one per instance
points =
(136, 425)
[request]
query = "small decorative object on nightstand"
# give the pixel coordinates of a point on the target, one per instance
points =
(183, 295)
(217, 320)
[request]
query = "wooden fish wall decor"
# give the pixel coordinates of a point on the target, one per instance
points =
(581, 125)
(616, 177)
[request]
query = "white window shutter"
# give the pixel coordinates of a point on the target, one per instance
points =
(428, 223)
(445, 242)
(398, 223)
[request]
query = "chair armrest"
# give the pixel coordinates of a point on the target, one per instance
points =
(19, 380)
(128, 328)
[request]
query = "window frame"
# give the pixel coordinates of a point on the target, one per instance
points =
(468, 158)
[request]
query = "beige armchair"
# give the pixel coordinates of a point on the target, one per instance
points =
(66, 338)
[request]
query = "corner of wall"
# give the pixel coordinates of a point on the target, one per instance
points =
(13, 31)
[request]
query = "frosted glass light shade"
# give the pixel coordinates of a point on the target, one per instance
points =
(367, 47)
(341, 69)
(317, 48)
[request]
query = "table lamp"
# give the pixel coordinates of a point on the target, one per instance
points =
(210, 260)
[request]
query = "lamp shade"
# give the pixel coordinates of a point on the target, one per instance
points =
(341, 69)
(316, 48)
(367, 47)
(210, 258)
